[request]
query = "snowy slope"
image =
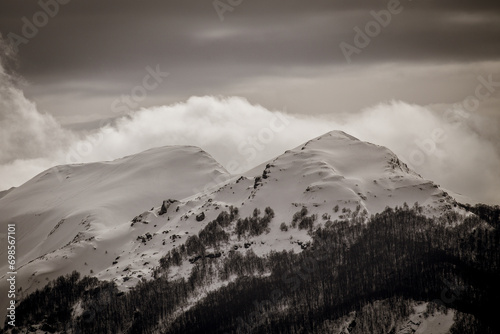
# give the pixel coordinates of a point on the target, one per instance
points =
(80, 217)
(5, 192)
(65, 212)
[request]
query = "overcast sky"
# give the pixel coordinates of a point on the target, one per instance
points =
(85, 58)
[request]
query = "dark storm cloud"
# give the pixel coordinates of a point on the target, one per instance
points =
(102, 38)
(93, 51)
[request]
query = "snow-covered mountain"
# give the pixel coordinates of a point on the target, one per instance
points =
(66, 212)
(337, 168)
(115, 220)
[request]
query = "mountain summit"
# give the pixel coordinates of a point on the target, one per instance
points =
(338, 169)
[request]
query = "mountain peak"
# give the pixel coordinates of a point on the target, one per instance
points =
(333, 137)
(337, 134)
(338, 167)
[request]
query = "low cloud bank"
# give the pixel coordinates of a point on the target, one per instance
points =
(240, 135)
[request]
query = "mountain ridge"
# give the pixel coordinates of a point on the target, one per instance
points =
(88, 225)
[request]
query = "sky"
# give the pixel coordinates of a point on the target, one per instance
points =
(92, 80)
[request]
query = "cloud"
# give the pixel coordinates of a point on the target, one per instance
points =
(236, 133)
(445, 146)
(241, 135)
(25, 132)
(29, 140)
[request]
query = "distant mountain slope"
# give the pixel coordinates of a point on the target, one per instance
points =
(5, 192)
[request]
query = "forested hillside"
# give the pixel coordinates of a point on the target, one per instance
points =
(357, 276)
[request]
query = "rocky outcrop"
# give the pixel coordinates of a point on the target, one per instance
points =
(166, 204)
